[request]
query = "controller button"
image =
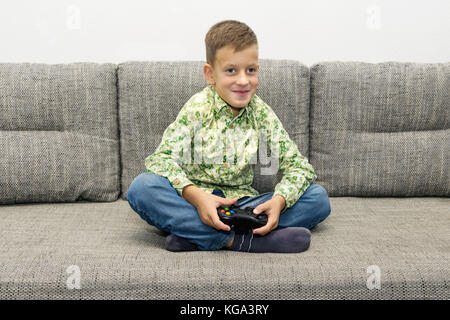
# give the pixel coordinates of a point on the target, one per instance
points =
(222, 210)
(232, 211)
(227, 213)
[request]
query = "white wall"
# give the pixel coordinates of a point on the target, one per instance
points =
(64, 31)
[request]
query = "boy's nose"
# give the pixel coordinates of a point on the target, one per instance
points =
(242, 80)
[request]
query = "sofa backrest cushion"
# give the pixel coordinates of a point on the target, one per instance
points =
(381, 129)
(58, 133)
(152, 93)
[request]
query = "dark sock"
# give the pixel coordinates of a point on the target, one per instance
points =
(286, 240)
(176, 244)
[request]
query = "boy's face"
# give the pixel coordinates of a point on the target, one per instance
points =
(234, 75)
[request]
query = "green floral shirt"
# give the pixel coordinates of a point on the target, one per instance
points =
(208, 147)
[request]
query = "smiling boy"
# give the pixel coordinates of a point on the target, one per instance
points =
(234, 75)
(223, 126)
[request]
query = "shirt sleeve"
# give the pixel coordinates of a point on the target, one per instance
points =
(173, 151)
(298, 173)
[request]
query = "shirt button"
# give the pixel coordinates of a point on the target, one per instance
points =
(231, 126)
(176, 181)
(225, 165)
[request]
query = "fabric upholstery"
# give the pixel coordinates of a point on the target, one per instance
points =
(119, 256)
(381, 129)
(59, 138)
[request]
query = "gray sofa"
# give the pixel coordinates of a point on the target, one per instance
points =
(74, 136)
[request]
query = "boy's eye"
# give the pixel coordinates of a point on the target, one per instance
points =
(231, 70)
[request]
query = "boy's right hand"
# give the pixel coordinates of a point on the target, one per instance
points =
(207, 205)
(207, 210)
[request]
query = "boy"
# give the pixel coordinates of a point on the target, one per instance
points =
(205, 156)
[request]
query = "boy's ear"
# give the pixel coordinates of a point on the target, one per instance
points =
(209, 74)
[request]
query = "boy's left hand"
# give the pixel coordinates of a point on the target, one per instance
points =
(272, 208)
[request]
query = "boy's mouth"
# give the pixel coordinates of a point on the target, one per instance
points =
(242, 93)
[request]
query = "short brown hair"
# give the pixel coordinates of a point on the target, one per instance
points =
(228, 32)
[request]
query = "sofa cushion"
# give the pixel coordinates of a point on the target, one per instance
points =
(381, 129)
(368, 248)
(58, 132)
(152, 93)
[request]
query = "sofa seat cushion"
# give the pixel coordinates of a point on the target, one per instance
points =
(404, 241)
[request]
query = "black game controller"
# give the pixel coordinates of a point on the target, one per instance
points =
(243, 220)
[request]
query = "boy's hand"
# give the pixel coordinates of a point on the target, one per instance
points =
(207, 210)
(272, 208)
(207, 205)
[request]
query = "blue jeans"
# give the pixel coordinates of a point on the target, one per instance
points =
(160, 205)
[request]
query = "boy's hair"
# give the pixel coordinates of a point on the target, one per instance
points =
(228, 32)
